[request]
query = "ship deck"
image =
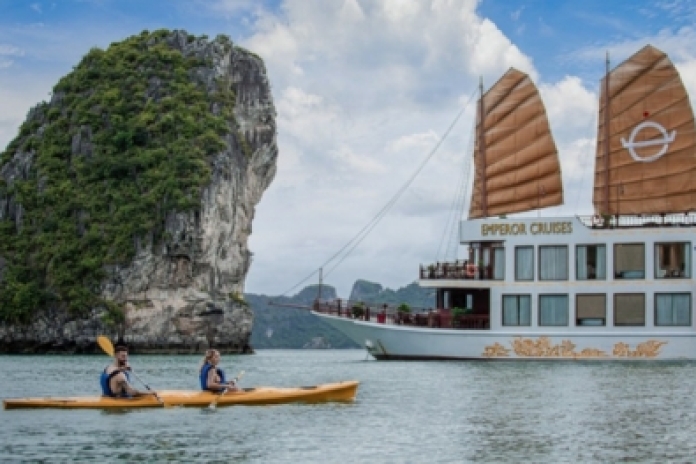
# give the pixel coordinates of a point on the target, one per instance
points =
(416, 317)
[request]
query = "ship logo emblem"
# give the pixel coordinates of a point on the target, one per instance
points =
(664, 141)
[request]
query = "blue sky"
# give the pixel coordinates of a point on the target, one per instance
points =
(571, 37)
(364, 90)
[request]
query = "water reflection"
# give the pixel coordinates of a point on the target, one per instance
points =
(405, 412)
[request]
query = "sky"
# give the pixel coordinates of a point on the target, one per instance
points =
(375, 103)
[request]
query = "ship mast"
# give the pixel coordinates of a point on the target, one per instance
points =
(606, 138)
(482, 153)
(321, 283)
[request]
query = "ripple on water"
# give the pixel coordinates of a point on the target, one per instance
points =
(438, 412)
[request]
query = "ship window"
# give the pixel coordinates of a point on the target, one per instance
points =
(629, 309)
(629, 261)
(591, 310)
(673, 309)
(671, 259)
(553, 310)
(524, 263)
(591, 262)
(553, 262)
(498, 263)
(517, 310)
(492, 261)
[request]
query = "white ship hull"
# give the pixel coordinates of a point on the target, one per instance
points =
(393, 342)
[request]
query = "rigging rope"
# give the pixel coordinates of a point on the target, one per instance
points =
(583, 175)
(362, 234)
(457, 208)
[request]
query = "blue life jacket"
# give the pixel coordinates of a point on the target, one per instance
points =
(105, 381)
(204, 375)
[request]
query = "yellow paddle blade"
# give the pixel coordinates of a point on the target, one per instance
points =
(106, 345)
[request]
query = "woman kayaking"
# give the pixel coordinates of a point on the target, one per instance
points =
(115, 379)
(211, 376)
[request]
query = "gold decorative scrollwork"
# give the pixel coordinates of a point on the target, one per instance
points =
(543, 348)
(649, 349)
(496, 350)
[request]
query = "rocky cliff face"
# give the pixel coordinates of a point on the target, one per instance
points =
(179, 294)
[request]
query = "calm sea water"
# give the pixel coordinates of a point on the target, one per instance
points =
(405, 412)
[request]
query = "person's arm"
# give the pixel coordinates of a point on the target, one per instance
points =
(214, 381)
(124, 385)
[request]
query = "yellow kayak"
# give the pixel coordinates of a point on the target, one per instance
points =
(340, 391)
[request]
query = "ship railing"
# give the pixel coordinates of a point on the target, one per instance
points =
(456, 270)
(356, 309)
(390, 314)
(621, 221)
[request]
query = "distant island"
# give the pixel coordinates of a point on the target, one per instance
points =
(277, 324)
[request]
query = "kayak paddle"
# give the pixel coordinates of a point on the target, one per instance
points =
(106, 345)
(214, 403)
(108, 348)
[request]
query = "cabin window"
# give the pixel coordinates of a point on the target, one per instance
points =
(671, 259)
(629, 309)
(591, 310)
(629, 261)
(553, 310)
(553, 262)
(498, 263)
(492, 261)
(517, 310)
(591, 262)
(524, 263)
(673, 309)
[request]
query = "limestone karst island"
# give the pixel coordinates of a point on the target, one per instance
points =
(127, 200)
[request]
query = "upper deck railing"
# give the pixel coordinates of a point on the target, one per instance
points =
(386, 314)
(625, 221)
(455, 270)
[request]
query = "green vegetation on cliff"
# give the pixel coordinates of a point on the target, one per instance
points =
(125, 141)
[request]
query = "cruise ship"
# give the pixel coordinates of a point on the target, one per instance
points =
(617, 285)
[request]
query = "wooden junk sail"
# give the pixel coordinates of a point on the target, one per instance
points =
(646, 143)
(515, 156)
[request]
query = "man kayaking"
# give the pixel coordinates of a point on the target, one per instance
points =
(115, 379)
(211, 376)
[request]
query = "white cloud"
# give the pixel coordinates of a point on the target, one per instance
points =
(362, 100)
(572, 112)
(392, 94)
(361, 164)
(364, 91)
(571, 108)
(420, 142)
(10, 50)
(232, 8)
